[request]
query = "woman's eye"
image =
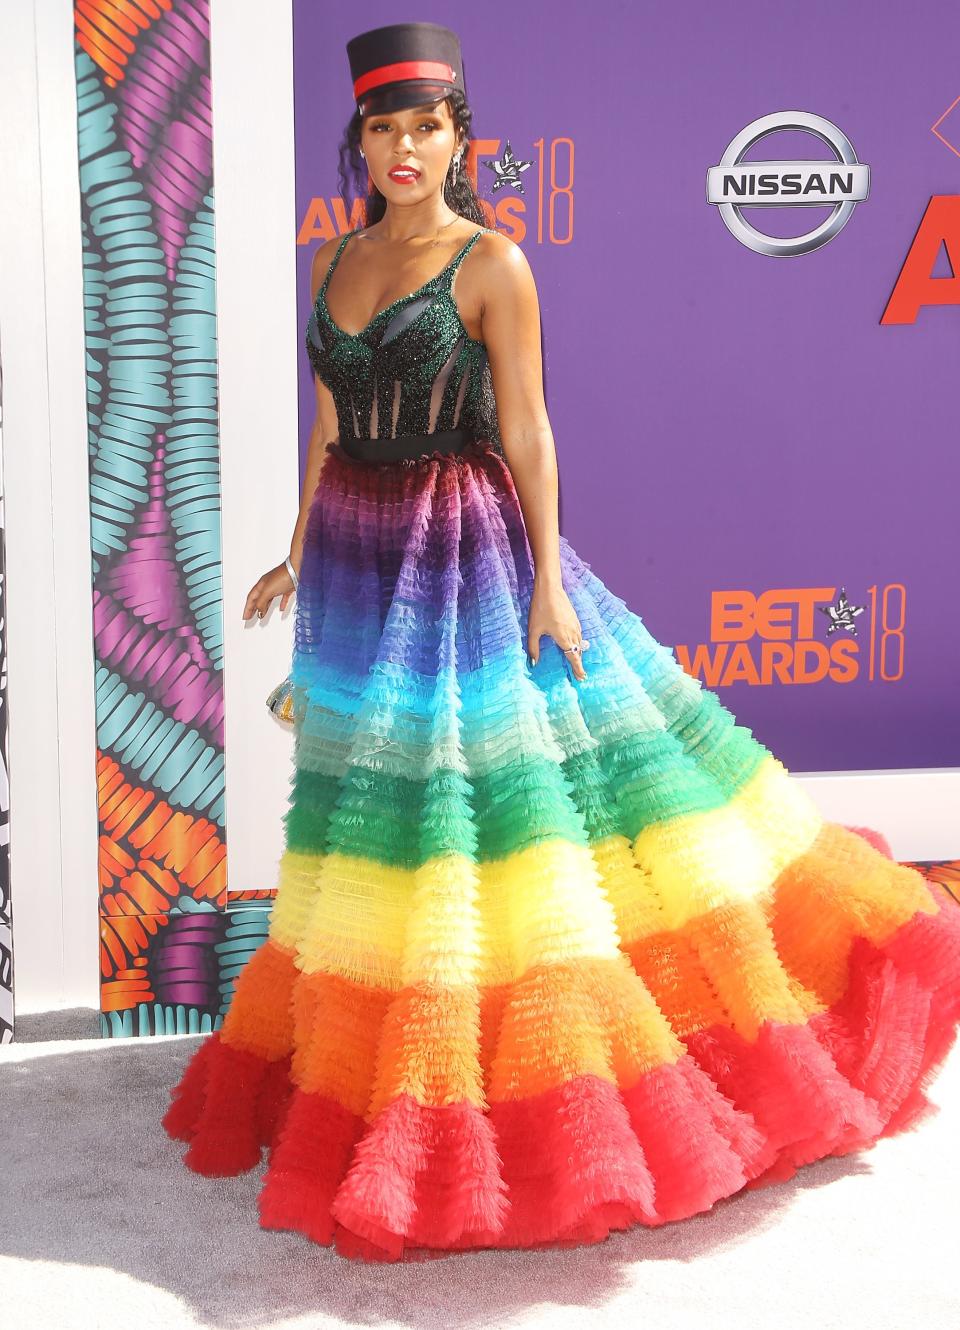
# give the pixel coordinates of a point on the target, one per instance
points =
(427, 124)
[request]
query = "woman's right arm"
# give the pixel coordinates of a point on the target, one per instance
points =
(325, 428)
(277, 581)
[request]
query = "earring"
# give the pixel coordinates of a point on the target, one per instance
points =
(456, 169)
(363, 154)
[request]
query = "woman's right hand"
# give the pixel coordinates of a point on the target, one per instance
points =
(277, 582)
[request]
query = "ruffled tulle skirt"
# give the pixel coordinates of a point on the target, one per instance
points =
(548, 958)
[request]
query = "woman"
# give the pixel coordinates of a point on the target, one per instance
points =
(555, 950)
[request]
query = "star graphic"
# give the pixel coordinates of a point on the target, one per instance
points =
(842, 613)
(507, 169)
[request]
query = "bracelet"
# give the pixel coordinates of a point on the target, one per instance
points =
(292, 571)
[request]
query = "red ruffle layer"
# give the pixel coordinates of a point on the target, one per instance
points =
(569, 1166)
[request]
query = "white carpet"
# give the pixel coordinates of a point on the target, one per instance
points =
(101, 1225)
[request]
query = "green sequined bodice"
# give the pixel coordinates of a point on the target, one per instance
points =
(412, 370)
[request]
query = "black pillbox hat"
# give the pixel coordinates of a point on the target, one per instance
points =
(403, 65)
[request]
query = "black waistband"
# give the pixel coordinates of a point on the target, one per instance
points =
(405, 445)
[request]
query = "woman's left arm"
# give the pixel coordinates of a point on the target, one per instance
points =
(510, 320)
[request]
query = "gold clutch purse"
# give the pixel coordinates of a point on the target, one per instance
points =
(280, 699)
(280, 702)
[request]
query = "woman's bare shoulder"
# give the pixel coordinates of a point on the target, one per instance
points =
(498, 249)
(503, 262)
(503, 275)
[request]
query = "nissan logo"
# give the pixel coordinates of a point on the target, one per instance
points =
(735, 184)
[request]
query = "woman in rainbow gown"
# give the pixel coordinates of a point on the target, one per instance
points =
(558, 947)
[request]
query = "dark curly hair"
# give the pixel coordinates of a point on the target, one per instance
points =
(352, 172)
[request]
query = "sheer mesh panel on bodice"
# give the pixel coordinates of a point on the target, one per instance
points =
(413, 369)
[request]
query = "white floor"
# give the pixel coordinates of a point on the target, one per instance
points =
(101, 1225)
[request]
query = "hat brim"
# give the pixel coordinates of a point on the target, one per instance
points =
(403, 96)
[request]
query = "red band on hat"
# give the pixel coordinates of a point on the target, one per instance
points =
(403, 69)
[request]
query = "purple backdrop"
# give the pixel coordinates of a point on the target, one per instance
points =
(725, 422)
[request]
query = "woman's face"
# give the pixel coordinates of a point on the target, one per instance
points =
(422, 138)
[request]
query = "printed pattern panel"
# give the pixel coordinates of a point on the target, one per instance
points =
(145, 151)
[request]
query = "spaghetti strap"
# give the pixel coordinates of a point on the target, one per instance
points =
(457, 259)
(336, 259)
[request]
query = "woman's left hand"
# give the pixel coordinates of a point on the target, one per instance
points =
(551, 612)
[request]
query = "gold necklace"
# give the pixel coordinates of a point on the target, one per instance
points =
(436, 239)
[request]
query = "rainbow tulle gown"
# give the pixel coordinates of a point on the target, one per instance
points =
(547, 958)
